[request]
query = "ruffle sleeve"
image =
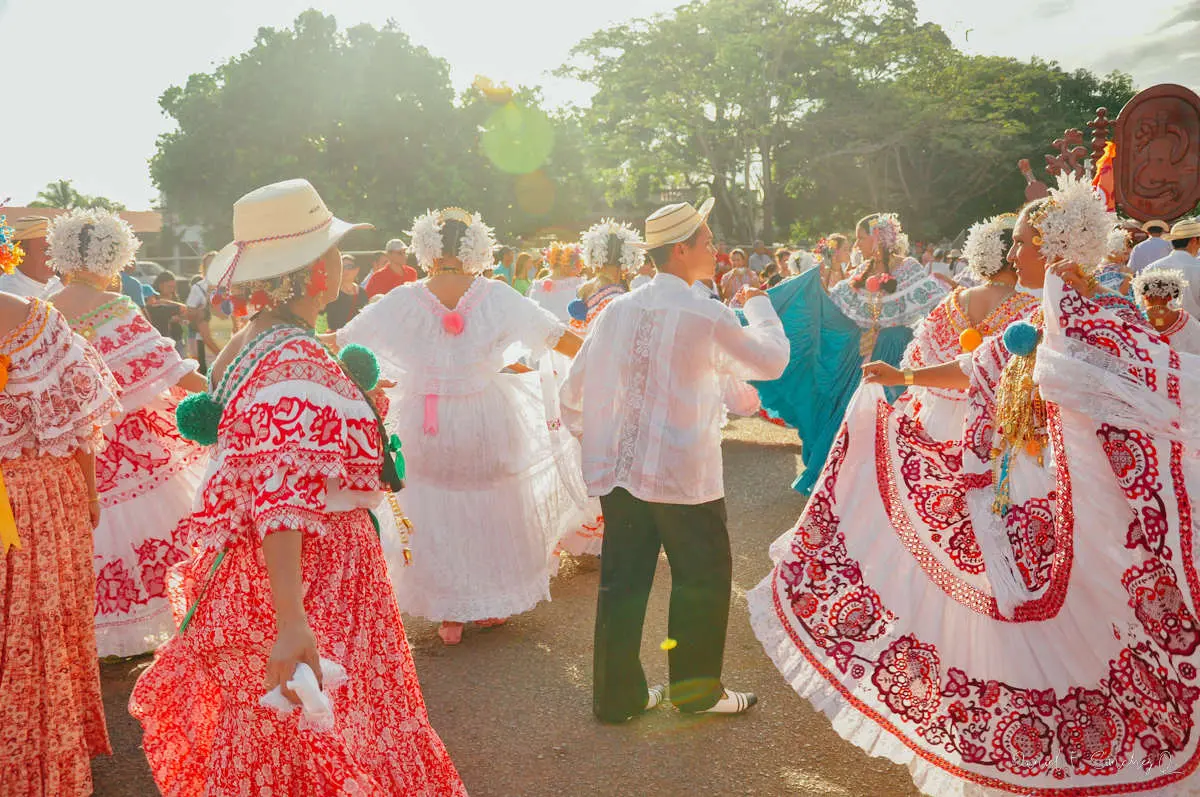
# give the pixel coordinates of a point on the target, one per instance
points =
(295, 434)
(532, 325)
(59, 395)
(144, 362)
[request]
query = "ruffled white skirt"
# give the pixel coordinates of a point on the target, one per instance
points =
(489, 495)
(134, 546)
(1089, 689)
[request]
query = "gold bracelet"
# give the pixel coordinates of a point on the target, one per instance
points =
(908, 377)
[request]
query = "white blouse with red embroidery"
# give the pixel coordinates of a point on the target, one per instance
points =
(59, 393)
(296, 443)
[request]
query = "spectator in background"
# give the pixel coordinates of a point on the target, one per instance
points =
(199, 316)
(350, 301)
(723, 261)
(166, 312)
(783, 257)
(1156, 246)
(398, 272)
(132, 287)
(738, 277)
(504, 264)
(940, 269)
(523, 273)
(760, 259)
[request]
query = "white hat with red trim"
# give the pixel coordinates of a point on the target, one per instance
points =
(277, 229)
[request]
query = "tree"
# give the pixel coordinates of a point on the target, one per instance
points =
(62, 194)
(370, 118)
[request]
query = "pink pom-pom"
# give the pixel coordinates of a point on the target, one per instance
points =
(453, 323)
(547, 285)
(874, 283)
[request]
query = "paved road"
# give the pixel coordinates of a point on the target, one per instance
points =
(513, 704)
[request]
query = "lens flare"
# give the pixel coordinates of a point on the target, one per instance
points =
(518, 140)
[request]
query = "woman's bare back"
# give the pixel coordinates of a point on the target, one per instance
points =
(981, 301)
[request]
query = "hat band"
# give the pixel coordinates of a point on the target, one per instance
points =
(227, 278)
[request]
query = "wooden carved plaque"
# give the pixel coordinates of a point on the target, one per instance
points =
(1158, 154)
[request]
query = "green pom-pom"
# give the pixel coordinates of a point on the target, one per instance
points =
(198, 417)
(362, 366)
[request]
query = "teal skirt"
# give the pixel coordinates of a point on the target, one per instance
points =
(824, 369)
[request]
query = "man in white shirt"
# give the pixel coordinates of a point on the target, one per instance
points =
(1185, 238)
(1154, 248)
(34, 278)
(645, 395)
(760, 258)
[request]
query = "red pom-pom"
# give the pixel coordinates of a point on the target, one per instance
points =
(547, 285)
(216, 299)
(240, 310)
(260, 298)
(453, 323)
(874, 283)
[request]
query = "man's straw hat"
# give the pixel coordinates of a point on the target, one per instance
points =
(675, 223)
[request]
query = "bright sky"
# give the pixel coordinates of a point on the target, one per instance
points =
(86, 75)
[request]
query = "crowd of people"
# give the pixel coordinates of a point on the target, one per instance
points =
(433, 437)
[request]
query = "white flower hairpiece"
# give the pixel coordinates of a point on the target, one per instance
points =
(596, 240)
(1075, 222)
(1162, 282)
(984, 247)
(1118, 241)
(474, 250)
(92, 240)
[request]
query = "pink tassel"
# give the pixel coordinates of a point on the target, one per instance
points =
(431, 415)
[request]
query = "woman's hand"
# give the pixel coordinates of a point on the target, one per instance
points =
(94, 511)
(1073, 275)
(880, 373)
(330, 340)
(294, 644)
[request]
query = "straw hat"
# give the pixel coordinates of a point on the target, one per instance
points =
(30, 227)
(1156, 224)
(277, 229)
(675, 223)
(1188, 228)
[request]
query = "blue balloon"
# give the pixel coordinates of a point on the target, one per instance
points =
(1022, 338)
(578, 310)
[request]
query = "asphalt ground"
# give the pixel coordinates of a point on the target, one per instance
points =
(513, 704)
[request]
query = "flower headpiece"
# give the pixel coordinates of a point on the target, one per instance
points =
(1118, 241)
(1074, 224)
(474, 249)
(98, 241)
(1165, 283)
(886, 229)
(562, 254)
(597, 243)
(11, 253)
(984, 247)
(825, 249)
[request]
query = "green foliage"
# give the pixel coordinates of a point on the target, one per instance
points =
(62, 194)
(364, 113)
(799, 116)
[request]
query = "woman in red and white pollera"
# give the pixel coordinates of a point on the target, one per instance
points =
(146, 473)
(288, 568)
(1014, 612)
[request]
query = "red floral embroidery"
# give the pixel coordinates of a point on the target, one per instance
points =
(116, 591)
(154, 557)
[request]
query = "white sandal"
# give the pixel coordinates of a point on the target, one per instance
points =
(732, 703)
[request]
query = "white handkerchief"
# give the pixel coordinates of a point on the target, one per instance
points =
(315, 704)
